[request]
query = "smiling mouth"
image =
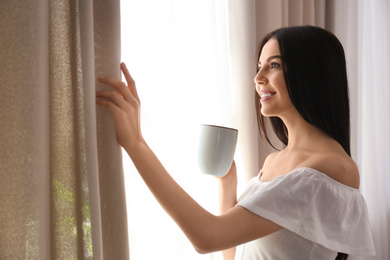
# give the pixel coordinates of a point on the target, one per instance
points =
(266, 96)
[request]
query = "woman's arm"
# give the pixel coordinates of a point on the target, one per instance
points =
(206, 232)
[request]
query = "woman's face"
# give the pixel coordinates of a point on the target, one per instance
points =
(270, 83)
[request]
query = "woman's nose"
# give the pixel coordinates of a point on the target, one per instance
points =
(260, 78)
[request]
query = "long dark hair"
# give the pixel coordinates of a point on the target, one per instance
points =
(315, 72)
(316, 78)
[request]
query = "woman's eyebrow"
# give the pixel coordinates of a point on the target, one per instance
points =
(272, 58)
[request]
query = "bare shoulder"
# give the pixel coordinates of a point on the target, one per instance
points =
(339, 167)
(270, 158)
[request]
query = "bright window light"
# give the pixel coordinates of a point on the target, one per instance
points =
(175, 52)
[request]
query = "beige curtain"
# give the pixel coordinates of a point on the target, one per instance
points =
(61, 180)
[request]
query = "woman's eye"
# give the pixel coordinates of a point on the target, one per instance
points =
(275, 65)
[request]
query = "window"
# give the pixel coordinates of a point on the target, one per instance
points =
(175, 52)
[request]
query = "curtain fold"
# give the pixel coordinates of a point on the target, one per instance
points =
(60, 165)
(242, 61)
(111, 179)
(24, 130)
(373, 146)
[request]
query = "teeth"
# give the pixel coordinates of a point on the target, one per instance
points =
(266, 95)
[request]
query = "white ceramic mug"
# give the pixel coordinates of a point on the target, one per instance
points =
(217, 145)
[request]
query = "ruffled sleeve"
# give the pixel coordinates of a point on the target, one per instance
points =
(316, 207)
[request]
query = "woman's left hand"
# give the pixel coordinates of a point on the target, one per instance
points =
(124, 104)
(228, 189)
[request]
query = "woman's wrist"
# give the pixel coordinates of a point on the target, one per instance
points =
(135, 145)
(227, 196)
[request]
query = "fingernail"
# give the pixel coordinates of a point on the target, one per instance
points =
(124, 65)
(100, 77)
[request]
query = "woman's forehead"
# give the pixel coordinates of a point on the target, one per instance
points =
(271, 48)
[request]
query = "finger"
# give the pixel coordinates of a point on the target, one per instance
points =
(233, 164)
(119, 85)
(109, 105)
(130, 81)
(113, 96)
(129, 78)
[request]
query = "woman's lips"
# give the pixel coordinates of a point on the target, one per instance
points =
(265, 95)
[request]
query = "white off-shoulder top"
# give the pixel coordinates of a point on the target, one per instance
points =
(319, 215)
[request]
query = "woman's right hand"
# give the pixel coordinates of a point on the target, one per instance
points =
(124, 104)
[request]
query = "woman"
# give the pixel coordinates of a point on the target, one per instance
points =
(305, 202)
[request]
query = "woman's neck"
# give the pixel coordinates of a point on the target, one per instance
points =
(302, 134)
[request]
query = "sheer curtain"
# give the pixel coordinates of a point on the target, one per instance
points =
(61, 179)
(177, 53)
(373, 126)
